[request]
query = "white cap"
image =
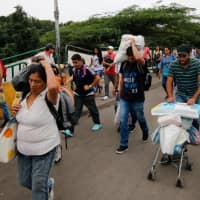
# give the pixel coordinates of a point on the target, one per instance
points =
(110, 47)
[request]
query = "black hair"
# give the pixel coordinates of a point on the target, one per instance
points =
(99, 54)
(37, 68)
(55, 69)
(129, 51)
(184, 48)
(76, 57)
(49, 46)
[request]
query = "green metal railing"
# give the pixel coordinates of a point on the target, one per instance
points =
(20, 65)
(24, 55)
(16, 65)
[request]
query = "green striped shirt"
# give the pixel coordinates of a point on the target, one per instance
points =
(186, 79)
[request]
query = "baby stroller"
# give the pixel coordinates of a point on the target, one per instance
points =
(173, 134)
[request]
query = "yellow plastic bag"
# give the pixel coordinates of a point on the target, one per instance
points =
(8, 141)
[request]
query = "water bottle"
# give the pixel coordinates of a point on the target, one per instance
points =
(177, 149)
(18, 98)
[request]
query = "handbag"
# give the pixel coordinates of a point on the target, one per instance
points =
(8, 141)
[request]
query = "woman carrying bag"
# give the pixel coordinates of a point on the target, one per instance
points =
(37, 133)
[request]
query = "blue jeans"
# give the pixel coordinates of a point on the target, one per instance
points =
(34, 173)
(6, 111)
(184, 100)
(164, 81)
(127, 107)
(107, 79)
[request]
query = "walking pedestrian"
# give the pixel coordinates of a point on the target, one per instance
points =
(37, 133)
(109, 70)
(97, 65)
(131, 96)
(84, 80)
(186, 71)
(163, 66)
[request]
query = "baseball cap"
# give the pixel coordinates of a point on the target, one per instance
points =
(110, 47)
(184, 49)
(50, 46)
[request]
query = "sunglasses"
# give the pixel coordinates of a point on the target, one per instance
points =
(182, 55)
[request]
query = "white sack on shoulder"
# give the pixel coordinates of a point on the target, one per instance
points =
(125, 43)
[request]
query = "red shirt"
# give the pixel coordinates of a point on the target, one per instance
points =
(146, 53)
(110, 71)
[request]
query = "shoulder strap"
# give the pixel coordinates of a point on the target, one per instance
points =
(51, 107)
(123, 65)
(140, 69)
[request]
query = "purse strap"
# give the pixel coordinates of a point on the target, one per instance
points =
(140, 69)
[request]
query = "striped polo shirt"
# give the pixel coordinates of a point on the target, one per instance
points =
(186, 78)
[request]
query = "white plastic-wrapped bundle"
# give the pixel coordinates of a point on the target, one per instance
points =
(125, 43)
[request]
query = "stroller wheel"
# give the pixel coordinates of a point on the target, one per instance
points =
(188, 166)
(151, 176)
(179, 183)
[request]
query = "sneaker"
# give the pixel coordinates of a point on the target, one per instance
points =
(145, 138)
(68, 133)
(131, 129)
(96, 127)
(51, 187)
(121, 149)
(58, 154)
(105, 98)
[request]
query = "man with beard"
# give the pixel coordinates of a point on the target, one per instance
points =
(186, 72)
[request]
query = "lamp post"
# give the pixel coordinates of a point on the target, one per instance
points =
(56, 15)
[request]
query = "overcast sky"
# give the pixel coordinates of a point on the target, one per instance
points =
(78, 10)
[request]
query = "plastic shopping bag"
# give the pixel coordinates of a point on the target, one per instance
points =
(117, 115)
(155, 137)
(168, 136)
(8, 141)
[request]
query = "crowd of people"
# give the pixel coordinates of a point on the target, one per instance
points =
(38, 138)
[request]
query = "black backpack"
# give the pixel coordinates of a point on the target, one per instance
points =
(146, 76)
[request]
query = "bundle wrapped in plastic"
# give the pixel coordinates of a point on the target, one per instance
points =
(169, 119)
(125, 43)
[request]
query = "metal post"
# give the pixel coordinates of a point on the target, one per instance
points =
(56, 15)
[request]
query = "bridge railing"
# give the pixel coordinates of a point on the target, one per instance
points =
(14, 69)
(15, 63)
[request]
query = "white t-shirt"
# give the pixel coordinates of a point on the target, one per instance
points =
(96, 66)
(37, 131)
(49, 59)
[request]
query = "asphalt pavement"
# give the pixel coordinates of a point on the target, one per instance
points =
(90, 169)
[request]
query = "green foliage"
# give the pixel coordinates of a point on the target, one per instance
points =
(20, 33)
(164, 26)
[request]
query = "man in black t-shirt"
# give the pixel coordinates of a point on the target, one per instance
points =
(131, 89)
(84, 80)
